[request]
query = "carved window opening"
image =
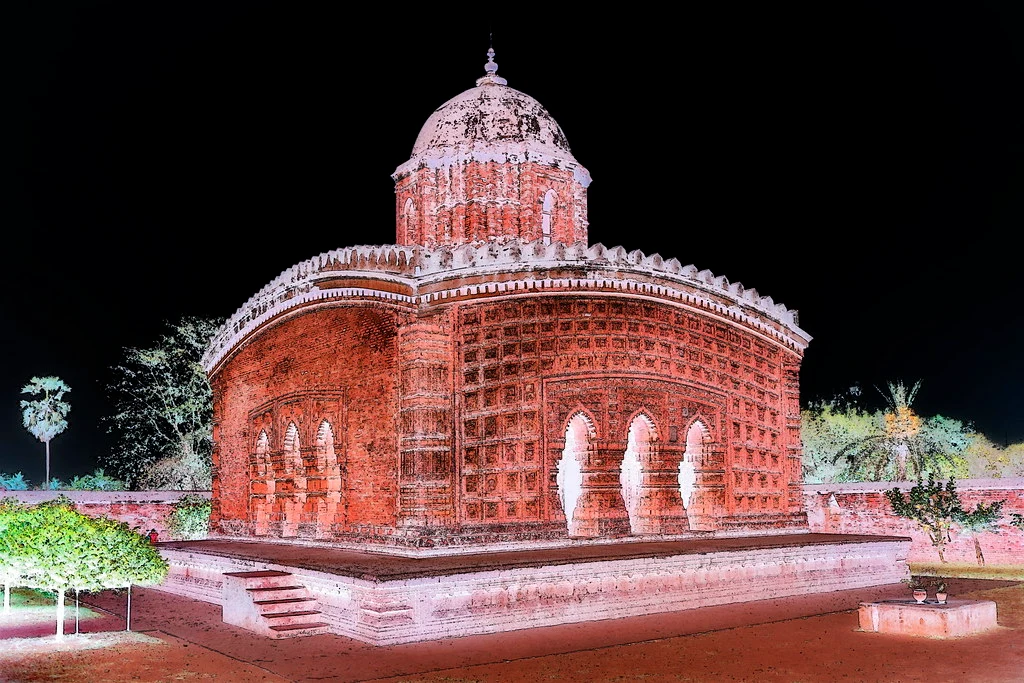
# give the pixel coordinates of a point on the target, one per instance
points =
(570, 467)
(409, 216)
(546, 217)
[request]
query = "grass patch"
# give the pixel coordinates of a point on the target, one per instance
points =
(1007, 572)
(39, 602)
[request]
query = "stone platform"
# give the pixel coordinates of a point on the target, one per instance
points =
(952, 619)
(387, 599)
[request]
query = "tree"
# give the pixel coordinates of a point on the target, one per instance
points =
(982, 518)
(54, 547)
(932, 506)
(163, 410)
(11, 565)
(904, 445)
(45, 417)
(825, 428)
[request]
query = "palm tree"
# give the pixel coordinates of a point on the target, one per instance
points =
(905, 444)
(45, 417)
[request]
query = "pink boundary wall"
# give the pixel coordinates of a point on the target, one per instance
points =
(852, 508)
(141, 510)
(862, 508)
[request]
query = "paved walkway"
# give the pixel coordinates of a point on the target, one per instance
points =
(796, 639)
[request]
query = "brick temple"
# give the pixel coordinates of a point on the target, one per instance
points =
(494, 378)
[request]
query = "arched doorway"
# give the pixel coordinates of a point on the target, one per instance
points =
(631, 473)
(694, 456)
(570, 467)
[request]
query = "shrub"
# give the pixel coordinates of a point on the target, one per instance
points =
(190, 518)
(13, 482)
(97, 481)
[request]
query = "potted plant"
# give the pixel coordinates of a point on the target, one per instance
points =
(919, 587)
(940, 592)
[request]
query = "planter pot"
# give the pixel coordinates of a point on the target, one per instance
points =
(920, 594)
(941, 597)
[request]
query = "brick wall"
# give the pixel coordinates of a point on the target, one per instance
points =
(141, 510)
(862, 508)
(336, 367)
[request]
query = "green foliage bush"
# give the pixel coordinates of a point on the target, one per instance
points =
(97, 481)
(13, 482)
(190, 518)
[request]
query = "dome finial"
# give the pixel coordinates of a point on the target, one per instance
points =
(491, 67)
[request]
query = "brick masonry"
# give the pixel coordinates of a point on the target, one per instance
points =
(862, 508)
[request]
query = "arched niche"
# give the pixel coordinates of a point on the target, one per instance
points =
(292, 449)
(324, 447)
(261, 484)
(261, 455)
(409, 219)
(547, 219)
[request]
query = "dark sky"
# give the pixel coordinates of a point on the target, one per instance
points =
(859, 162)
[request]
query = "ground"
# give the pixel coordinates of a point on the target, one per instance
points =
(800, 639)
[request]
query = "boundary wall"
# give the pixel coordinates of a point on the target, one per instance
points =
(862, 508)
(848, 508)
(141, 510)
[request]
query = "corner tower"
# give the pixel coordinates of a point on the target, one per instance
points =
(490, 163)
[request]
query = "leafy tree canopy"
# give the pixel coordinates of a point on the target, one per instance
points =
(163, 410)
(52, 546)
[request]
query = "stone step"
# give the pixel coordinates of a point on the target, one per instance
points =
(285, 605)
(295, 618)
(277, 593)
(313, 628)
(267, 578)
(272, 603)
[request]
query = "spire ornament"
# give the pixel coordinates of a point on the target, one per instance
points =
(491, 67)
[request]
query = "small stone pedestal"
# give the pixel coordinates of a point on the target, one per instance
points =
(953, 619)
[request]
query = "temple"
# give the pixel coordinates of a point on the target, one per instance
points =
(494, 378)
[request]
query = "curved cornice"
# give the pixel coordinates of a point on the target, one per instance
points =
(412, 276)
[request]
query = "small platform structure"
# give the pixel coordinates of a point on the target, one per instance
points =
(952, 619)
(387, 599)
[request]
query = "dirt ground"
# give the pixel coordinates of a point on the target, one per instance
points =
(800, 639)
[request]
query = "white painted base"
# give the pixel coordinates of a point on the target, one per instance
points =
(464, 602)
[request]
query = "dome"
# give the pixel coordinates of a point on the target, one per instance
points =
(491, 122)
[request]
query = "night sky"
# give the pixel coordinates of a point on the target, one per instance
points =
(860, 164)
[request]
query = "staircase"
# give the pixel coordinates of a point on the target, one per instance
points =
(270, 602)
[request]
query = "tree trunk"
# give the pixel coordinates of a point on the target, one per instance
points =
(977, 552)
(901, 462)
(60, 613)
(47, 464)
